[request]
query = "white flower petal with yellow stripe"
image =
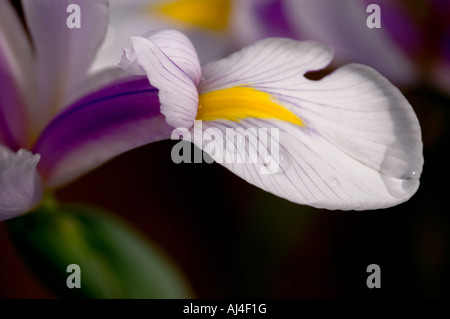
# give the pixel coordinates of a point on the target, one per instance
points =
(348, 141)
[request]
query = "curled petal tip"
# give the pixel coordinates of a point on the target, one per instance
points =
(170, 71)
(128, 62)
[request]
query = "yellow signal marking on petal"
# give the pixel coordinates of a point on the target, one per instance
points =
(240, 102)
(210, 14)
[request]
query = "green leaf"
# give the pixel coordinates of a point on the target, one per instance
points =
(114, 260)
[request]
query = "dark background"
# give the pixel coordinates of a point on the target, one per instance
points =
(232, 239)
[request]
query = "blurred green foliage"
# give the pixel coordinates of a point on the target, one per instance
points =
(115, 261)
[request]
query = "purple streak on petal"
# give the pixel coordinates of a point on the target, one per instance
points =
(100, 79)
(121, 87)
(273, 20)
(100, 126)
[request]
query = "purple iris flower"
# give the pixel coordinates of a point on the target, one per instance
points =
(351, 139)
(55, 122)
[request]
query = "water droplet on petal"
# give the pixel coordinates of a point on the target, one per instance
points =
(411, 175)
(276, 166)
(285, 162)
(333, 182)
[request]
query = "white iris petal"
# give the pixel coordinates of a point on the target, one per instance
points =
(348, 141)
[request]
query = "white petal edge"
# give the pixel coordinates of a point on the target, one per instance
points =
(20, 184)
(361, 145)
(177, 92)
(267, 61)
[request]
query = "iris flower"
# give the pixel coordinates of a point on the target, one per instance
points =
(348, 141)
(56, 123)
(351, 140)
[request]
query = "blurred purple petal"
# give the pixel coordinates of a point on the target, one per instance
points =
(15, 75)
(102, 125)
(402, 28)
(342, 25)
(12, 123)
(272, 18)
(253, 20)
(20, 186)
(63, 54)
